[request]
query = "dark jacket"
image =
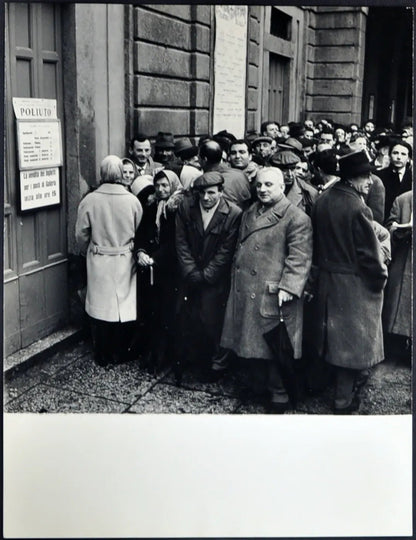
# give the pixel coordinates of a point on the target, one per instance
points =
(397, 311)
(351, 278)
(237, 187)
(302, 195)
(393, 186)
(375, 199)
(211, 252)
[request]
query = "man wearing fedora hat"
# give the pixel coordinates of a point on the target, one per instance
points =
(351, 278)
(164, 146)
(206, 234)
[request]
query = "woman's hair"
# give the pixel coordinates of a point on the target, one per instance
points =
(111, 170)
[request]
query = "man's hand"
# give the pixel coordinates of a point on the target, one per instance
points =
(143, 259)
(284, 296)
(195, 277)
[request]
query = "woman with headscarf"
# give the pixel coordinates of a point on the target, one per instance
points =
(129, 172)
(106, 224)
(158, 274)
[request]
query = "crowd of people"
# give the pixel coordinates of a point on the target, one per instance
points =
(287, 252)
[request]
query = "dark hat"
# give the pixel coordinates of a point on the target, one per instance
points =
(226, 135)
(208, 179)
(285, 159)
(355, 164)
(262, 138)
(185, 149)
(164, 140)
(291, 144)
(252, 135)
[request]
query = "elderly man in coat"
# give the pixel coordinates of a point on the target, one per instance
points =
(351, 278)
(270, 269)
(206, 234)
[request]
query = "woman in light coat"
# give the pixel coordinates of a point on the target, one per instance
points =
(105, 228)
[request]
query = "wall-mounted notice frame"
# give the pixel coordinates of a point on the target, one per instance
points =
(230, 69)
(39, 188)
(39, 144)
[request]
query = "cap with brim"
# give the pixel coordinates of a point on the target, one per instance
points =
(262, 138)
(164, 140)
(209, 179)
(185, 149)
(290, 144)
(286, 159)
(355, 164)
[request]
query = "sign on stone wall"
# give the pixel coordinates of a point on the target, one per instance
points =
(230, 61)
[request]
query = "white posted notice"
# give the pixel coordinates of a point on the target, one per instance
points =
(39, 188)
(230, 69)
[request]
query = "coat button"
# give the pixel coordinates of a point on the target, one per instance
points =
(253, 272)
(253, 295)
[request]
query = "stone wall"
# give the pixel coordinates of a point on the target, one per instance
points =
(335, 63)
(171, 69)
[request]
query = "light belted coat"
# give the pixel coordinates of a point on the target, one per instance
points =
(105, 228)
(274, 251)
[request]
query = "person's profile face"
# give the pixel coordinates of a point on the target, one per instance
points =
(272, 131)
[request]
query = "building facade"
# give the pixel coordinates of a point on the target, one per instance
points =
(187, 69)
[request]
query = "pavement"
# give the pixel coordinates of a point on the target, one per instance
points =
(68, 381)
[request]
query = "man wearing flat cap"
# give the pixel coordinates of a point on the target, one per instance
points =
(263, 148)
(206, 234)
(297, 191)
(350, 283)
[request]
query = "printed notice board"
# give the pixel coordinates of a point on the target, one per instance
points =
(39, 188)
(39, 144)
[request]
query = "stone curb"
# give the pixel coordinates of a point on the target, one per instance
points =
(31, 355)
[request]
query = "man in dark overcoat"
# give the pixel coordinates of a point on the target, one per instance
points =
(351, 278)
(271, 265)
(206, 234)
(397, 177)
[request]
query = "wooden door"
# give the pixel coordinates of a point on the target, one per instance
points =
(277, 90)
(35, 253)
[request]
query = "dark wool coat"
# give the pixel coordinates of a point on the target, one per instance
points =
(393, 186)
(397, 311)
(210, 251)
(274, 251)
(376, 199)
(351, 278)
(302, 195)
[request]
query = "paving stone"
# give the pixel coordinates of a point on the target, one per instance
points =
(229, 385)
(124, 382)
(47, 399)
(165, 398)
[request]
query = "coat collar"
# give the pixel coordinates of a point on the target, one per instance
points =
(112, 189)
(270, 217)
(295, 195)
(219, 215)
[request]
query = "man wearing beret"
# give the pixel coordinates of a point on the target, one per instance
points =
(351, 279)
(206, 234)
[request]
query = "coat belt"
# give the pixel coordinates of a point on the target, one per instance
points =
(112, 250)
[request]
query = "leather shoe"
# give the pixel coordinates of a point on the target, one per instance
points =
(277, 408)
(353, 406)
